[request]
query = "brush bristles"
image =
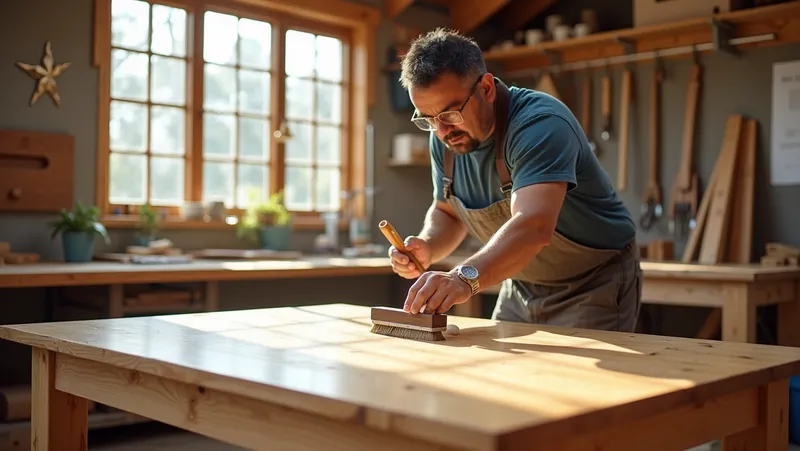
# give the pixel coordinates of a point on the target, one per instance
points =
(402, 332)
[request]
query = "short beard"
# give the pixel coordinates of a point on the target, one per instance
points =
(461, 149)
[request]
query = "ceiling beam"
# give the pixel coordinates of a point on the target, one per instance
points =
(393, 8)
(520, 12)
(467, 15)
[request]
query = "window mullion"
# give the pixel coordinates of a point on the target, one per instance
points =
(278, 108)
(196, 107)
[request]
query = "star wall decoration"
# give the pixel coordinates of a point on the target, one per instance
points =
(45, 74)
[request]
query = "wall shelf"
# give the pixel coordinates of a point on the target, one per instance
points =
(754, 27)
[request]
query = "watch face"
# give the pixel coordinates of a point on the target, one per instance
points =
(469, 272)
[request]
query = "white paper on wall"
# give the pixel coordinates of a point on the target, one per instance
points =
(785, 139)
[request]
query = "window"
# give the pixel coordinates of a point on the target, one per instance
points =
(229, 104)
(148, 104)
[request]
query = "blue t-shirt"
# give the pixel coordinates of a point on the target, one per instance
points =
(544, 143)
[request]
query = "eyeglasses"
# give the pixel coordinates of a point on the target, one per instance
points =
(451, 117)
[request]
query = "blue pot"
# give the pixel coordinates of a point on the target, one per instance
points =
(78, 246)
(142, 240)
(277, 238)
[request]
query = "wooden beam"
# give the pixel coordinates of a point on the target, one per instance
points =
(467, 15)
(393, 8)
(520, 12)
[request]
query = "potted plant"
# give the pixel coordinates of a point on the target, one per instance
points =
(267, 223)
(78, 229)
(148, 225)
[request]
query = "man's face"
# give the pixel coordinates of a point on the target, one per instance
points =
(469, 98)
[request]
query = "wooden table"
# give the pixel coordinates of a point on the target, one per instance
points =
(311, 378)
(738, 290)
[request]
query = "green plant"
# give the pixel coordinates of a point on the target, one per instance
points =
(80, 219)
(148, 220)
(261, 214)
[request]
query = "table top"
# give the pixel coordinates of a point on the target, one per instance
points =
(492, 379)
(103, 273)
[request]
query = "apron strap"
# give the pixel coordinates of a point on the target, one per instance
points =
(500, 127)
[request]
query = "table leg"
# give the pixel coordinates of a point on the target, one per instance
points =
(788, 319)
(212, 296)
(116, 301)
(772, 433)
(59, 420)
(738, 313)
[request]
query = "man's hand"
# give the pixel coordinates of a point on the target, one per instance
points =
(438, 291)
(402, 265)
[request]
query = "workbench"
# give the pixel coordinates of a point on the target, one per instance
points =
(311, 378)
(737, 289)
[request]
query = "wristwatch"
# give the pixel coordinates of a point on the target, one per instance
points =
(469, 274)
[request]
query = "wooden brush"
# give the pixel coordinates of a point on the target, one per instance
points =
(396, 322)
(394, 238)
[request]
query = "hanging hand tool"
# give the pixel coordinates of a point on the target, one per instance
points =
(684, 197)
(624, 124)
(586, 109)
(606, 104)
(652, 208)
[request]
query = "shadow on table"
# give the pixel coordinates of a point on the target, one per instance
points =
(631, 353)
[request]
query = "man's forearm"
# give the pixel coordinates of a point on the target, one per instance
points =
(442, 232)
(509, 251)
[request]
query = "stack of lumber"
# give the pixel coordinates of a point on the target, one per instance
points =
(779, 254)
(724, 223)
(15, 258)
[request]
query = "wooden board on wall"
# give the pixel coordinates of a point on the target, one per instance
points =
(36, 171)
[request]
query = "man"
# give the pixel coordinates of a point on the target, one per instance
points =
(513, 167)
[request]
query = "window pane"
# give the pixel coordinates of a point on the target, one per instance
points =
(254, 92)
(169, 80)
(218, 135)
(254, 139)
(169, 31)
(255, 44)
(168, 130)
(297, 193)
(129, 24)
(299, 94)
(329, 58)
(328, 189)
(166, 180)
(127, 178)
(252, 184)
(298, 149)
(128, 126)
(219, 38)
(218, 182)
(300, 53)
(329, 144)
(129, 75)
(219, 86)
(329, 103)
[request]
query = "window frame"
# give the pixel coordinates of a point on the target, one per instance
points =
(354, 24)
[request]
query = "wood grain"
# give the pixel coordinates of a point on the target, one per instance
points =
(491, 381)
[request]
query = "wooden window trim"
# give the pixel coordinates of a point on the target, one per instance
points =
(333, 17)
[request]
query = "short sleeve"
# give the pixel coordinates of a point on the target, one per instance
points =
(543, 148)
(437, 167)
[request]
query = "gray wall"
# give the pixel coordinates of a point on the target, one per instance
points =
(405, 192)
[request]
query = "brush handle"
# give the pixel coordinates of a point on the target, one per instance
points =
(391, 234)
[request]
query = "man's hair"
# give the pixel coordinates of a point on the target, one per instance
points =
(437, 52)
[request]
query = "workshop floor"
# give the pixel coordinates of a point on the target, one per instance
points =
(158, 437)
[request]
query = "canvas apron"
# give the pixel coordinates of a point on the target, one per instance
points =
(566, 284)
